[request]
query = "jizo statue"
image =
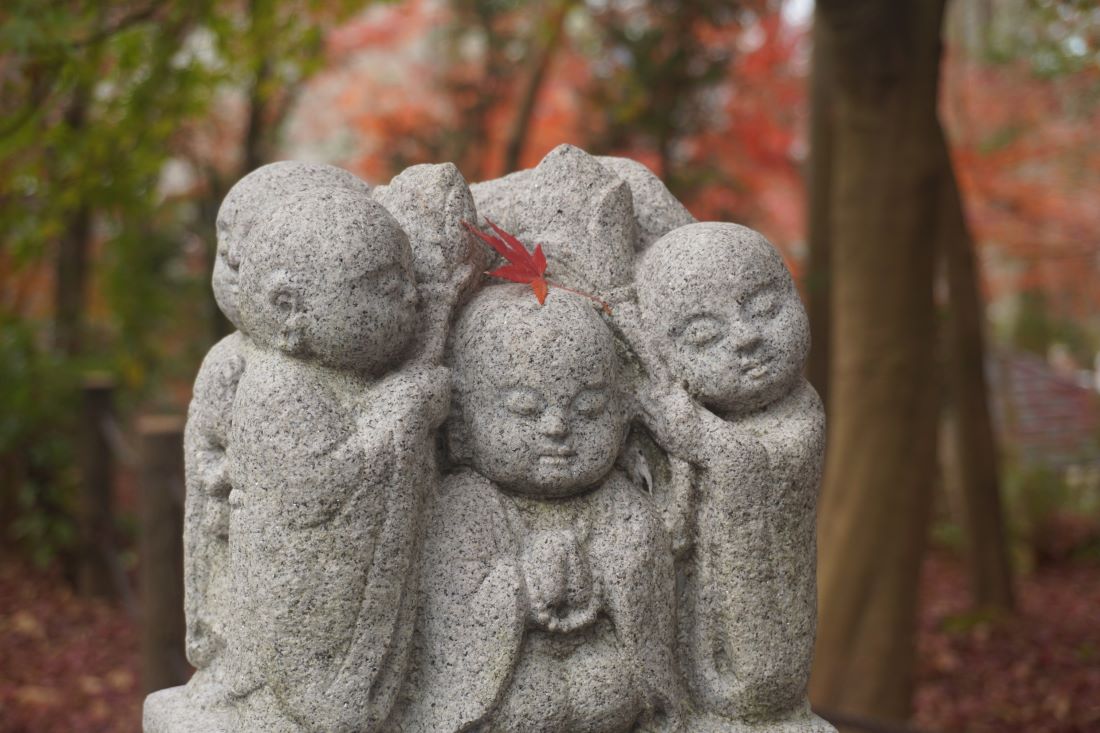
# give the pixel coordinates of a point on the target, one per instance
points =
(422, 499)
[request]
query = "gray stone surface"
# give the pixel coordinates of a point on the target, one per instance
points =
(579, 211)
(548, 586)
(656, 210)
(330, 454)
(430, 202)
(208, 591)
(727, 338)
(536, 518)
(248, 202)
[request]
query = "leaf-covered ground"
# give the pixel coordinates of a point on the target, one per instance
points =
(70, 665)
(67, 664)
(1037, 672)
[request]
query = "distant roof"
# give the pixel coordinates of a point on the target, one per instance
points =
(1045, 415)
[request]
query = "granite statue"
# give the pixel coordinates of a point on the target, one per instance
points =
(421, 501)
(541, 559)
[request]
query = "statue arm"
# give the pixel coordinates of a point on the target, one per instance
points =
(472, 609)
(207, 488)
(757, 544)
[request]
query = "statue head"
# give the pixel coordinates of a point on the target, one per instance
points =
(328, 276)
(724, 314)
(538, 407)
(249, 201)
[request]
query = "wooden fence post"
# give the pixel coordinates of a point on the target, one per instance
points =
(162, 639)
(95, 573)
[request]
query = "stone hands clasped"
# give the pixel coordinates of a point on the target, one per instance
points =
(418, 500)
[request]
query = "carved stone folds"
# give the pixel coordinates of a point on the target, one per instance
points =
(418, 500)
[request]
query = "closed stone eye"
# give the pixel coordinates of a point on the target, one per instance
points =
(523, 402)
(764, 302)
(590, 402)
(702, 331)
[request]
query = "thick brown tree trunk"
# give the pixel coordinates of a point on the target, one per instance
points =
(819, 189)
(977, 495)
(885, 199)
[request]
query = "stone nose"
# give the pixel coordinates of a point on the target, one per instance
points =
(553, 424)
(743, 337)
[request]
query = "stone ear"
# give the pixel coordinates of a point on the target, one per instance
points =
(286, 305)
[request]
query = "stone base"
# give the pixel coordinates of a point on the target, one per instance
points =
(802, 722)
(175, 711)
(199, 707)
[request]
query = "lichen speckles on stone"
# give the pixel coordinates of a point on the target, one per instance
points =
(420, 501)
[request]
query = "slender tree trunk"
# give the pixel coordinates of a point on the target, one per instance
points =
(820, 176)
(256, 132)
(96, 572)
(879, 474)
(71, 264)
(978, 482)
(542, 56)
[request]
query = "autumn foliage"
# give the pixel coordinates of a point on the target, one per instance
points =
(523, 266)
(390, 85)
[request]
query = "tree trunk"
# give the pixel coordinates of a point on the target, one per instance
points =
(71, 264)
(541, 57)
(819, 190)
(978, 499)
(886, 172)
(96, 572)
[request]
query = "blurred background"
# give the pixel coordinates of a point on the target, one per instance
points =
(931, 174)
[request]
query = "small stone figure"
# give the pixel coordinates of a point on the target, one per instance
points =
(330, 454)
(207, 585)
(547, 587)
(728, 339)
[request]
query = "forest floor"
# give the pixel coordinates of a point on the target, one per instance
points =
(1037, 671)
(71, 665)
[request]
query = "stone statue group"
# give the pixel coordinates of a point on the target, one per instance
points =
(420, 501)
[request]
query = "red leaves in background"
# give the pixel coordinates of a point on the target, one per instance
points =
(523, 266)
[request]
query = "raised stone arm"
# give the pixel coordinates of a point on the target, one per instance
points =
(431, 202)
(726, 328)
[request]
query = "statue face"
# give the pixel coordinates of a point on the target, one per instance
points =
(543, 416)
(227, 264)
(726, 317)
(360, 314)
(742, 350)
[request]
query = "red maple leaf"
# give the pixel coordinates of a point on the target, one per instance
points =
(523, 266)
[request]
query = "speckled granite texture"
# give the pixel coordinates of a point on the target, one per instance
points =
(419, 501)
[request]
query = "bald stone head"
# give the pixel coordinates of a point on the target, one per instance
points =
(724, 314)
(328, 277)
(537, 391)
(249, 201)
